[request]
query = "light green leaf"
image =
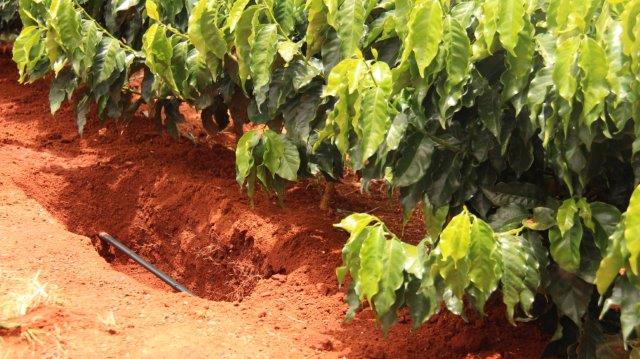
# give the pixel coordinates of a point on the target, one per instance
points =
(287, 50)
(243, 46)
(158, 51)
(484, 262)
(203, 31)
(28, 49)
(317, 17)
(593, 63)
(455, 239)
(566, 214)
(392, 276)
(350, 17)
(371, 264)
(66, 22)
(355, 223)
(632, 231)
(519, 66)
(564, 72)
(425, 32)
(614, 259)
(375, 114)
(457, 65)
(235, 13)
(510, 23)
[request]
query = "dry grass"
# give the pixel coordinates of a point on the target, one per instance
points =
(23, 298)
(108, 320)
(18, 298)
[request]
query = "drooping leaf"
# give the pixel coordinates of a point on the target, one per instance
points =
(350, 22)
(263, 53)
(425, 32)
(632, 231)
(520, 276)
(510, 23)
(244, 154)
(484, 261)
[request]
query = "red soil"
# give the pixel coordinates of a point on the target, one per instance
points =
(177, 205)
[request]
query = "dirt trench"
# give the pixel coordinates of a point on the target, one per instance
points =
(178, 206)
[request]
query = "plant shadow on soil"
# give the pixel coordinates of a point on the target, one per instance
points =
(177, 204)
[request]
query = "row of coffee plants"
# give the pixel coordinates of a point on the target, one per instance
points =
(512, 124)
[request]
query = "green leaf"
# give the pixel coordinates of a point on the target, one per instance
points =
(28, 49)
(520, 273)
(434, 218)
(110, 58)
(158, 51)
(484, 263)
(593, 63)
(263, 53)
(273, 150)
(350, 18)
(614, 260)
(62, 88)
(283, 11)
(375, 115)
(632, 231)
(82, 108)
(629, 307)
(543, 219)
(235, 13)
(570, 294)
(455, 239)
(243, 46)
(504, 194)
(317, 17)
(564, 72)
(565, 248)
(425, 33)
(203, 31)
(371, 265)
(290, 162)
(66, 22)
(415, 160)
(392, 276)
(606, 218)
(510, 23)
(287, 50)
(244, 154)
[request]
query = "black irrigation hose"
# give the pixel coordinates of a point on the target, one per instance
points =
(148, 266)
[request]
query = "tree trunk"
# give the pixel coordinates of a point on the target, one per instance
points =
(327, 195)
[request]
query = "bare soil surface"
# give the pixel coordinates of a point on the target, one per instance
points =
(264, 277)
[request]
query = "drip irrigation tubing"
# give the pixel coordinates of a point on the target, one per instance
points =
(148, 266)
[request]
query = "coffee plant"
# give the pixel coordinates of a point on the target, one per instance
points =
(511, 124)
